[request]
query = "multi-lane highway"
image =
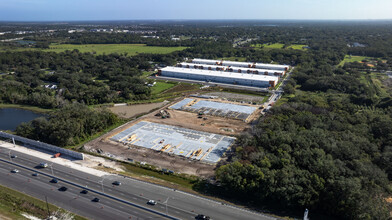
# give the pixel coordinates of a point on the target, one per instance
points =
(175, 203)
(71, 199)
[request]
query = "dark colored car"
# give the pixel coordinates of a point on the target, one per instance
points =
(84, 191)
(14, 156)
(202, 217)
(54, 180)
(34, 174)
(96, 199)
(117, 183)
(63, 189)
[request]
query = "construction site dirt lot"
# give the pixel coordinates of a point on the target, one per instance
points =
(130, 111)
(155, 158)
(212, 124)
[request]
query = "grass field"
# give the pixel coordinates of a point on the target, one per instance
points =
(161, 86)
(99, 49)
(279, 46)
(350, 59)
(13, 204)
(26, 107)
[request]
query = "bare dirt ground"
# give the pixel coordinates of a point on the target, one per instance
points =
(155, 158)
(237, 97)
(130, 111)
(213, 124)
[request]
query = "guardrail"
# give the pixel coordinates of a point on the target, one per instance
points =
(44, 146)
(92, 190)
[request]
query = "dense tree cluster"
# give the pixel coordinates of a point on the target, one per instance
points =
(328, 148)
(79, 77)
(69, 125)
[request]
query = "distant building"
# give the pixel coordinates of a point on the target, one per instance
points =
(242, 64)
(235, 69)
(251, 80)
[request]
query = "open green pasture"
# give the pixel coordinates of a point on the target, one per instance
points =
(99, 49)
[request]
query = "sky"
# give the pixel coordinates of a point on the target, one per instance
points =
(80, 10)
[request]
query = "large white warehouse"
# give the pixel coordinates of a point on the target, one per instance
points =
(252, 80)
(208, 62)
(242, 64)
(202, 66)
(279, 73)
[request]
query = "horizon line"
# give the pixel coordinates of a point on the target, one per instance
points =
(201, 19)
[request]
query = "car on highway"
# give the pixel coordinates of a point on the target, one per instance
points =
(43, 165)
(34, 174)
(63, 189)
(14, 156)
(84, 191)
(202, 217)
(117, 183)
(96, 199)
(151, 202)
(15, 171)
(54, 180)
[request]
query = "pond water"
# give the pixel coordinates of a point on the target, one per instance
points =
(10, 118)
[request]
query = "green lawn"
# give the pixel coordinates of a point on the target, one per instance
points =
(279, 46)
(350, 59)
(272, 46)
(130, 49)
(26, 107)
(161, 86)
(298, 46)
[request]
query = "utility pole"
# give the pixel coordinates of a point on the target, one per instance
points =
(51, 167)
(47, 206)
(167, 200)
(102, 184)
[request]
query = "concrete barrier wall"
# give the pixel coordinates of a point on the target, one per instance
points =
(44, 146)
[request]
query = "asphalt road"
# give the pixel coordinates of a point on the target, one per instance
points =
(179, 204)
(72, 199)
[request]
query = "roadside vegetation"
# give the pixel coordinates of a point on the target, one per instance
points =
(13, 204)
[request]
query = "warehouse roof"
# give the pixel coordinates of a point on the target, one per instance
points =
(271, 65)
(235, 68)
(221, 74)
(203, 65)
(196, 60)
(234, 63)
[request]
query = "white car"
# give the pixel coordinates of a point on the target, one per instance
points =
(43, 165)
(14, 171)
(151, 202)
